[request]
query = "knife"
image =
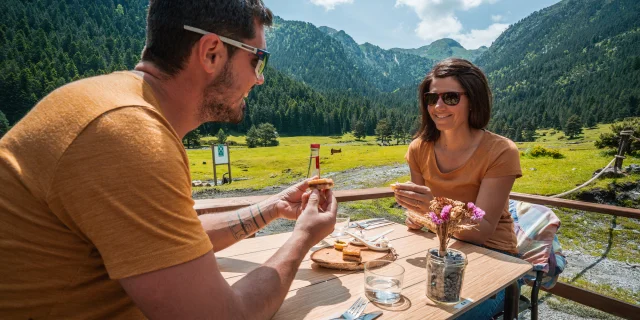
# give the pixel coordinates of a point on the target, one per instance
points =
(379, 225)
(369, 316)
(354, 224)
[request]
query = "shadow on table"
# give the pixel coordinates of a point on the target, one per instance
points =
(308, 298)
(402, 305)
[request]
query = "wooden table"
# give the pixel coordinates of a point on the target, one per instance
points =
(317, 293)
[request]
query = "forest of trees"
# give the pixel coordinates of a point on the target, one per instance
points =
(45, 44)
(543, 69)
(577, 57)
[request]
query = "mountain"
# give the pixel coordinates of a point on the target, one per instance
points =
(42, 47)
(444, 48)
(576, 57)
(327, 59)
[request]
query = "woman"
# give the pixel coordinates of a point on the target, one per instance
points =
(454, 156)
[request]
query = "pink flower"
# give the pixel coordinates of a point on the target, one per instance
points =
(445, 213)
(434, 217)
(471, 206)
(478, 214)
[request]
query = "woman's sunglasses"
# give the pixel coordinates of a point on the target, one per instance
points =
(449, 98)
(263, 55)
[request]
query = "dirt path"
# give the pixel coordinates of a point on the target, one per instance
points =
(356, 178)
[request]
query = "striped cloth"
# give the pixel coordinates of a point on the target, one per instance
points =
(536, 227)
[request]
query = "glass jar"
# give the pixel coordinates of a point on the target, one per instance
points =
(445, 275)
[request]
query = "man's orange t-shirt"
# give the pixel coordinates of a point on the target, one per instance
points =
(95, 187)
(496, 156)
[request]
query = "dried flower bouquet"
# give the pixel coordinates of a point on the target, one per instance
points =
(447, 217)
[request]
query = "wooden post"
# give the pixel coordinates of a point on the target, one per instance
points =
(229, 160)
(213, 160)
(622, 147)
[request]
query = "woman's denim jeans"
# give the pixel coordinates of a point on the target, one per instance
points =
(491, 306)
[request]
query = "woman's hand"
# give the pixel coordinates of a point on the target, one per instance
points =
(412, 225)
(413, 197)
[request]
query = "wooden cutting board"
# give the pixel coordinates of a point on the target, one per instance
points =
(331, 258)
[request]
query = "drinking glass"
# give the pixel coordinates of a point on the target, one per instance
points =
(383, 281)
(341, 226)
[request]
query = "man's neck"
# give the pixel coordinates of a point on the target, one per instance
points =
(175, 96)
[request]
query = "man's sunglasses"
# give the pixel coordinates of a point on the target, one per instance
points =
(263, 55)
(449, 98)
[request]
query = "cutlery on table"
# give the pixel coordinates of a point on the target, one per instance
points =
(364, 223)
(370, 315)
(379, 225)
(355, 310)
(376, 237)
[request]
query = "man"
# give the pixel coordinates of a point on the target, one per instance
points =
(96, 215)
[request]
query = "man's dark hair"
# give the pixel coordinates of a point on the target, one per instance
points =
(168, 45)
(475, 84)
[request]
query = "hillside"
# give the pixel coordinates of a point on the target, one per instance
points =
(44, 47)
(576, 57)
(338, 62)
(444, 48)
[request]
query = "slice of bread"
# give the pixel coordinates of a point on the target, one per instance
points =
(321, 184)
(357, 259)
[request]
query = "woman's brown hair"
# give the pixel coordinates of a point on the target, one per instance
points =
(475, 84)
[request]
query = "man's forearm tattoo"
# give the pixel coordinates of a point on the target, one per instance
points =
(252, 217)
(260, 211)
(241, 228)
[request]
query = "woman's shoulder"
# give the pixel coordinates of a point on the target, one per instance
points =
(420, 145)
(497, 142)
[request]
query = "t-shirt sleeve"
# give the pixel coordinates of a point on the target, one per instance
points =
(124, 186)
(506, 161)
(413, 155)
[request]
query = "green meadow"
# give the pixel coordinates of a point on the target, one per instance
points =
(257, 168)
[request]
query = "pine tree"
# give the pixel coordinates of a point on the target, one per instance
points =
(192, 139)
(252, 137)
(221, 136)
(4, 124)
(573, 127)
(359, 132)
(267, 134)
(383, 131)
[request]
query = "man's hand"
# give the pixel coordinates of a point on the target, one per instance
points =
(318, 218)
(291, 202)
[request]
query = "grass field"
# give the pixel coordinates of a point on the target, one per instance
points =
(261, 167)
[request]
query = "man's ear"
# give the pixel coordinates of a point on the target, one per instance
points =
(211, 53)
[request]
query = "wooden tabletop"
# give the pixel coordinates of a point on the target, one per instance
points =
(318, 293)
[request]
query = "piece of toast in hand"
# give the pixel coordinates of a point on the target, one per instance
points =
(321, 184)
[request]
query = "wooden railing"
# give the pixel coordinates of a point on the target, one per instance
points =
(565, 290)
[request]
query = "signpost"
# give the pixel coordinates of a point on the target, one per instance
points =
(220, 154)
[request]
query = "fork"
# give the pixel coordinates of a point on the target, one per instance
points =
(356, 309)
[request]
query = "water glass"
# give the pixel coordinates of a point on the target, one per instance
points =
(383, 281)
(341, 226)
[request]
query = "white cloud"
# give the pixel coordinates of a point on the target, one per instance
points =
(330, 4)
(438, 20)
(497, 18)
(477, 38)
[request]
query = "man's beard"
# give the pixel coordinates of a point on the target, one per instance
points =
(214, 107)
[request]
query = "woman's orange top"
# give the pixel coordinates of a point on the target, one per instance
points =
(496, 156)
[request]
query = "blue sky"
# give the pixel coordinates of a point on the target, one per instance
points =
(411, 23)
